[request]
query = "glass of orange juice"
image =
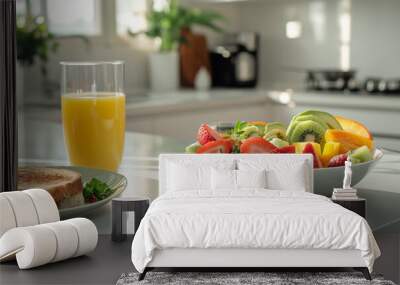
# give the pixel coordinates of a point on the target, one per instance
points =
(93, 113)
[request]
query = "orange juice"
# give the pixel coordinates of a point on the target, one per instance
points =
(94, 128)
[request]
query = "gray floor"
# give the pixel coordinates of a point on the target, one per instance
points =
(103, 266)
(106, 264)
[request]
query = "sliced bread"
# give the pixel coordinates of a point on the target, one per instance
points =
(65, 186)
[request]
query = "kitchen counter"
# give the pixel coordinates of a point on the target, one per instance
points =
(147, 104)
(187, 100)
(42, 143)
(347, 100)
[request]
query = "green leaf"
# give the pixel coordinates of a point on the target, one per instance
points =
(97, 188)
(34, 41)
(167, 24)
(239, 126)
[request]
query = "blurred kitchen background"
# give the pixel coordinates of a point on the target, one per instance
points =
(249, 60)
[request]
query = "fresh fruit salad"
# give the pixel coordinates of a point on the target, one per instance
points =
(330, 139)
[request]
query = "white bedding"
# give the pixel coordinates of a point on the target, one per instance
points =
(250, 219)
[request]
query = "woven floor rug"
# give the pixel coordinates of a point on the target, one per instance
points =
(244, 278)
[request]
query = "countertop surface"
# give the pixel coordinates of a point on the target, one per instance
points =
(346, 100)
(42, 143)
(187, 100)
(153, 102)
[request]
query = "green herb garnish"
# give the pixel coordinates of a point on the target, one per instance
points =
(97, 189)
(239, 126)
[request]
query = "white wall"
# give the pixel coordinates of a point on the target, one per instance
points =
(374, 43)
(376, 37)
(283, 60)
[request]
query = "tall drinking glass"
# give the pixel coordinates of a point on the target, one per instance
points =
(93, 113)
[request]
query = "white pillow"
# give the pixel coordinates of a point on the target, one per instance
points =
(251, 178)
(283, 173)
(293, 180)
(226, 179)
(223, 179)
(182, 178)
(193, 175)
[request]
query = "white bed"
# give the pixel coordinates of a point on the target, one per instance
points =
(201, 226)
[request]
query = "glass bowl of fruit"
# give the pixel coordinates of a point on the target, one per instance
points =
(330, 139)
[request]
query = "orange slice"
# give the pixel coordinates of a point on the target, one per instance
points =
(354, 127)
(348, 141)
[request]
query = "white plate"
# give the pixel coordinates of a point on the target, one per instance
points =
(115, 181)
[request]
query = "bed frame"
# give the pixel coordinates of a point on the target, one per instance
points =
(242, 259)
(249, 259)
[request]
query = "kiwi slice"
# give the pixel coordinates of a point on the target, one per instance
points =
(274, 125)
(192, 148)
(363, 154)
(307, 131)
(261, 129)
(321, 119)
(296, 120)
(249, 131)
(276, 133)
(279, 142)
(275, 130)
(322, 116)
(312, 118)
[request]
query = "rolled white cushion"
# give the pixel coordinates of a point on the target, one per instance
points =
(7, 218)
(45, 205)
(37, 245)
(33, 246)
(66, 238)
(26, 208)
(87, 235)
(23, 208)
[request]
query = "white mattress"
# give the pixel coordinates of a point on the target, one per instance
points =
(253, 219)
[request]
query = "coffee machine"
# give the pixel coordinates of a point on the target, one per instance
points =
(235, 63)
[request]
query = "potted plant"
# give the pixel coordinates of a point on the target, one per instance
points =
(167, 27)
(34, 42)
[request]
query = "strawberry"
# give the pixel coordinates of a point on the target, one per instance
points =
(206, 134)
(257, 145)
(286, 149)
(91, 199)
(219, 146)
(310, 149)
(338, 160)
